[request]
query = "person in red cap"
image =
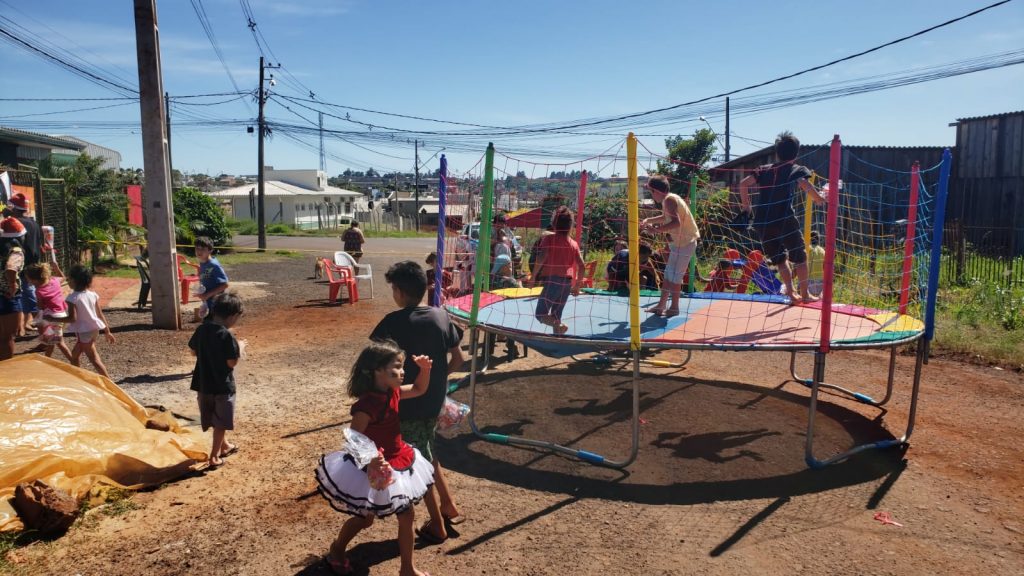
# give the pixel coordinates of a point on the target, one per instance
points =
(12, 261)
(33, 247)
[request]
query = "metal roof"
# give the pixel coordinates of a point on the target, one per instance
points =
(805, 148)
(278, 188)
(24, 136)
(991, 116)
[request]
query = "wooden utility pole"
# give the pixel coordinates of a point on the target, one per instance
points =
(261, 223)
(157, 188)
(416, 161)
(726, 128)
(170, 156)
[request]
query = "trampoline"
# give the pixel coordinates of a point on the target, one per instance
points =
(890, 306)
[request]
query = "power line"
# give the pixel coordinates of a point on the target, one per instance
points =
(204, 21)
(8, 34)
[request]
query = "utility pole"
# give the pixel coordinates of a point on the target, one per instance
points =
(726, 128)
(261, 223)
(170, 162)
(417, 193)
(157, 189)
(323, 159)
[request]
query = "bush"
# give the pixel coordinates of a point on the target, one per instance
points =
(279, 229)
(196, 214)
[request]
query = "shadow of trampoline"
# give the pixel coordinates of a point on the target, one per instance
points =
(701, 440)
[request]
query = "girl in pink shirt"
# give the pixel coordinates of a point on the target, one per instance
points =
(558, 270)
(50, 298)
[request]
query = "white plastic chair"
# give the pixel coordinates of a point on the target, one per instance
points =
(360, 271)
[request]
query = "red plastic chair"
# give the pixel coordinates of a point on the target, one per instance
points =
(338, 276)
(588, 274)
(186, 280)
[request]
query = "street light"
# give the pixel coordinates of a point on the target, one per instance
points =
(719, 139)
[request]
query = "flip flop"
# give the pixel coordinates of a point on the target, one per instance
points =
(339, 568)
(455, 520)
(232, 450)
(423, 533)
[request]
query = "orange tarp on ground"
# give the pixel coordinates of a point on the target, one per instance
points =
(72, 428)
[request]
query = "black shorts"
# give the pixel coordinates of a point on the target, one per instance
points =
(782, 240)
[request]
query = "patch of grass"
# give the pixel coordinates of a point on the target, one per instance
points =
(982, 320)
(8, 542)
(398, 234)
(119, 502)
(247, 257)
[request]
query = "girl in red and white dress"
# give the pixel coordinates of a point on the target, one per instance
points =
(365, 492)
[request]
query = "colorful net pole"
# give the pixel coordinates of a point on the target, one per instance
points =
(442, 229)
(830, 242)
(481, 279)
(579, 206)
(908, 245)
(809, 212)
(633, 203)
(693, 259)
(938, 223)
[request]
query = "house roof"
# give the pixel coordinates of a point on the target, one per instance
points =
(277, 188)
(26, 137)
(991, 116)
(805, 148)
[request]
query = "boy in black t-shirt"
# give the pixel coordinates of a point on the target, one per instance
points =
(774, 218)
(217, 352)
(423, 330)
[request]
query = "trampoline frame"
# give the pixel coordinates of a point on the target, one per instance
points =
(820, 350)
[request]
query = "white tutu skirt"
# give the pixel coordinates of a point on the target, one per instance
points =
(347, 487)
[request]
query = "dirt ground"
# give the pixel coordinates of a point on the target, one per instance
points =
(720, 485)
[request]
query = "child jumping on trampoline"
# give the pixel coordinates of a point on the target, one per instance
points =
(558, 270)
(677, 220)
(774, 218)
(377, 381)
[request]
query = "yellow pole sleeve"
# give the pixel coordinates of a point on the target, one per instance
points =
(633, 203)
(808, 213)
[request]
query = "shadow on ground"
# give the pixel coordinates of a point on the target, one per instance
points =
(701, 440)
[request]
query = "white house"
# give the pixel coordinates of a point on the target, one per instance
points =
(298, 198)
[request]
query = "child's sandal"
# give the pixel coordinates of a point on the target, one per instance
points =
(341, 568)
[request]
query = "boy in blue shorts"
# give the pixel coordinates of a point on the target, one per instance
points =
(424, 330)
(212, 277)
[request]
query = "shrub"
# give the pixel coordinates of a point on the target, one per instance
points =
(196, 214)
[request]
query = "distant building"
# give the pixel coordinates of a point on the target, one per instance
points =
(111, 158)
(24, 147)
(298, 198)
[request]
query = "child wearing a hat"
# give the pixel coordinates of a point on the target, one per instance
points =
(32, 245)
(501, 273)
(12, 260)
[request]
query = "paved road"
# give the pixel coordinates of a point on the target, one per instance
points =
(415, 248)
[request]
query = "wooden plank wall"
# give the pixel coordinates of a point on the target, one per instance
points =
(987, 187)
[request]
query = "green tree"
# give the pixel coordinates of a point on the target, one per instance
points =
(604, 220)
(96, 201)
(687, 157)
(196, 214)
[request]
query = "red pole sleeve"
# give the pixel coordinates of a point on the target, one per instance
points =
(908, 246)
(830, 241)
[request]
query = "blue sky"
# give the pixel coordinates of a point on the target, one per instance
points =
(511, 63)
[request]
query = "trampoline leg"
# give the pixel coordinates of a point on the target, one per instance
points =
(858, 396)
(919, 361)
(892, 377)
(589, 457)
(819, 375)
